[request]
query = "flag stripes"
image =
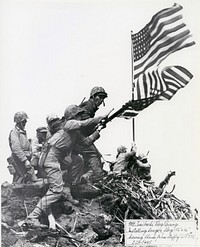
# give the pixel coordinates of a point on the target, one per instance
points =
(163, 83)
(133, 107)
(163, 35)
(175, 77)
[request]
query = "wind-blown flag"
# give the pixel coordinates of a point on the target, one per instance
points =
(163, 83)
(133, 107)
(163, 35)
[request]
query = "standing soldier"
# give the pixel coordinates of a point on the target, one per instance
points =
(91, 155)
(21, 150)
(37, 144)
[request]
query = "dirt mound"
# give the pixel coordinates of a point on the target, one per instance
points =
(98, 220)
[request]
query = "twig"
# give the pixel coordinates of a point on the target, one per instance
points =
(71, 238)
(119, 219)
(161, 212)
(75, 221)
(57, 242)
(25, 208)
(126, 213)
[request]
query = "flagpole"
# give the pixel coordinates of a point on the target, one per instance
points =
(132, 82)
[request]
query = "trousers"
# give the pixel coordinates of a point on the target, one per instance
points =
(52, 169)
(92, 160)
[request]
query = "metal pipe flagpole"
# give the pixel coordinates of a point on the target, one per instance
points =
(132, 82)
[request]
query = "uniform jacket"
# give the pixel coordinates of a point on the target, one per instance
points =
(65, 139)
(89, 108)
(19, 144)
(36, 147)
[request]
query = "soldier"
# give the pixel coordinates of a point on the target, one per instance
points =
(131, 163)
(143, 167)
(59, 149)
(120, 163)
(37, 144)
(97, 97)
(53, 124)
(21, 150)
(92, 157)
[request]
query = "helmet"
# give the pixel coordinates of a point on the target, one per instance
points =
(42, 129)
(99, 91)
(72, 111)
(51, 117)
(20, 116)
(142, 156)
(121, 149)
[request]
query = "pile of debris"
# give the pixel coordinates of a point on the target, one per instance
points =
(127, 197)
(97, 221)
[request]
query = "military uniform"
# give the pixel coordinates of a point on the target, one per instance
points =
(36, 148)
(59, 149)
(91, 155)
(20, 151)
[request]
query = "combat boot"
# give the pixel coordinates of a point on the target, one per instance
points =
(34, 223)
(67, 195)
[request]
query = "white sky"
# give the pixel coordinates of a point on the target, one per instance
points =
(53, 52)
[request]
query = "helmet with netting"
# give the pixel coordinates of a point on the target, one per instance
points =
(72, 111)
(121, 149)
(142, 157)
(98, 91)
(51, 117)
(20, 116)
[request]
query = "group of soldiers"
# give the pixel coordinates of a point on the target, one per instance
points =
(63, 153)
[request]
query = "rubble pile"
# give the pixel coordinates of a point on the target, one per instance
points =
(97, 221)
(126, 197)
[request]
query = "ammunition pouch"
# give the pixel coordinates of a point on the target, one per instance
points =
(11, 167)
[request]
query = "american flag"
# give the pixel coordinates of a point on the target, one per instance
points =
(133, 107)
(163, 35)
(161, 82)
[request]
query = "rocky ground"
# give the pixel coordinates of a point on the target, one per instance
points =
(96, 221)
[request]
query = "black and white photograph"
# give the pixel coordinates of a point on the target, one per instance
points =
(100, 123)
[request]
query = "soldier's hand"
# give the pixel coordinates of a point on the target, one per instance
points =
(27, 164)
(100, 127)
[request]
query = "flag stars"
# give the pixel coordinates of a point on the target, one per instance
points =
(141, 43)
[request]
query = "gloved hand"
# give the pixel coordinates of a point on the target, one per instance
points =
(27, 164)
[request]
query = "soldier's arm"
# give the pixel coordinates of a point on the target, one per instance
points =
(77, 124)
(89, 140)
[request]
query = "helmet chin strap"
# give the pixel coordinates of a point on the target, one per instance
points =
(21, 126)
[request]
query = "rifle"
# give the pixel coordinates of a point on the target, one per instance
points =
(108, 118)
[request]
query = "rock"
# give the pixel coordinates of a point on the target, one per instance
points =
(102, 226)
(8, 239)
(87, 191)
(88, 236)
